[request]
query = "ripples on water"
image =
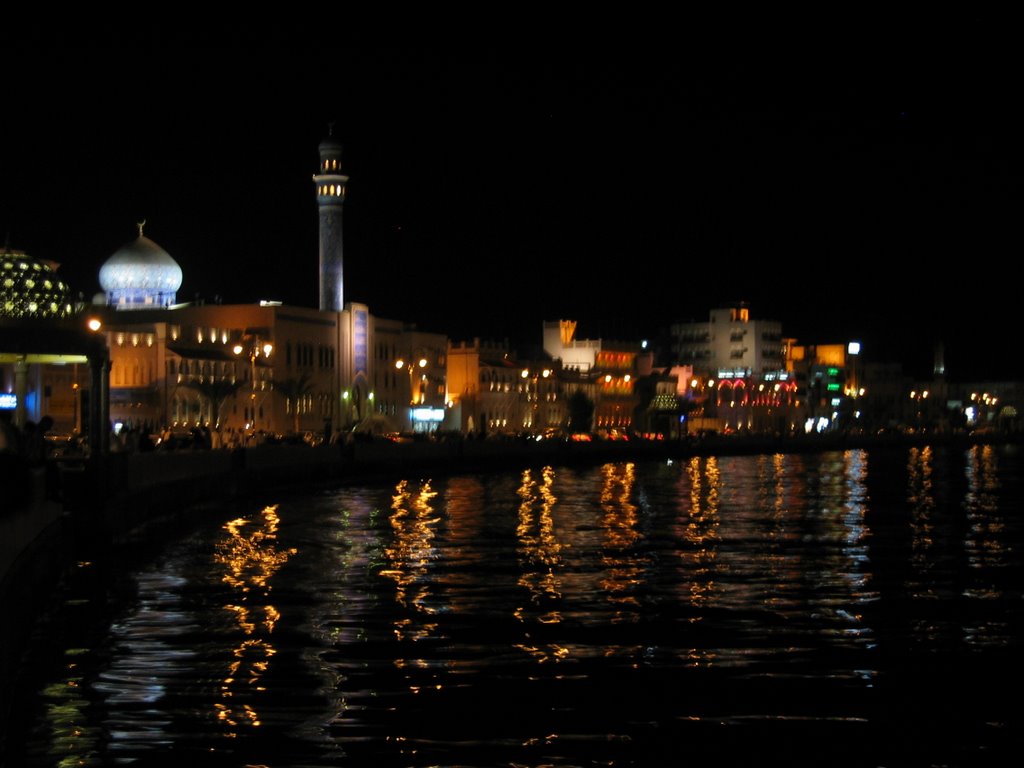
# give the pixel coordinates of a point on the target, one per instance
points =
(842, 609)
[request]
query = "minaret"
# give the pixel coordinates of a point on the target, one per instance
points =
(330, 196)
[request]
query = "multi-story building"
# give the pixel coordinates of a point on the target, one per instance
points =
(611, 369)
(484, 387)
(728, 341)
(236, 368)
(409, 375)
(560, 343)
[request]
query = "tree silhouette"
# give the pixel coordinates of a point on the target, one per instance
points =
(215, 392)
(293, 390)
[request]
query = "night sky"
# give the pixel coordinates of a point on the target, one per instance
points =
(876, 199)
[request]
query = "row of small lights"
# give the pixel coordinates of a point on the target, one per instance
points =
(94, 324)
(694, 383)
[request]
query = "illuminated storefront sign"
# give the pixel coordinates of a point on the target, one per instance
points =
(733, 373)
(428, 414)
(8, 401)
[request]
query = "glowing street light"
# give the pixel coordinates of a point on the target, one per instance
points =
(411, 370)
(253, 346)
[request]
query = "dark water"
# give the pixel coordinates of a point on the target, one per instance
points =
(843, 609)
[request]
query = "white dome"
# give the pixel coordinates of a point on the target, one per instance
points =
(140, 274)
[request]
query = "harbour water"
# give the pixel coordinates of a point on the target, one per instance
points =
(854, 608)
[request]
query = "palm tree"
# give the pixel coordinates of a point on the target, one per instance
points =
(216, 392)
(293, 390)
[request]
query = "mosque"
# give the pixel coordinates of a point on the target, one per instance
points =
(240, 370)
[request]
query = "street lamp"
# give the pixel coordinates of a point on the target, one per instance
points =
(532, 386)
(254, 347)
(412, 368)
(919, 398)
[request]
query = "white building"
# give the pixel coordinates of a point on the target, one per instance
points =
(729, 341)
(560, 343)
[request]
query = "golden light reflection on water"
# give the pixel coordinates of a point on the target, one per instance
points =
(753, 567)
(624, 568)
(409, 555)
(772, 498)
(700, 532)
(249, 556)
(538, 545)
(920, 496)
(551, 652)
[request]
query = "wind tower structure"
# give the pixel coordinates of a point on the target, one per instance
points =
(330, 197)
